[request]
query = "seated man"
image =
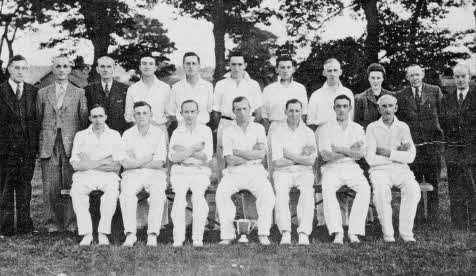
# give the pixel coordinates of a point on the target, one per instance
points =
(294, 153)
(95, 157)
(191, 148)
(341, 143)
(143, 169)
(389, 149)
(244, 147)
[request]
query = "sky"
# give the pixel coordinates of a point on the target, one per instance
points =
(196, 35)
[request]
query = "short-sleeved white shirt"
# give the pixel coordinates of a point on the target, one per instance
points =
(158, 96)
(202, 93)
(153, 142)
(276, 95)
(293, 141)
(321, 104)
(108, 144)
(185, 137)
(332, 134)
(235, 138)
(227, 90)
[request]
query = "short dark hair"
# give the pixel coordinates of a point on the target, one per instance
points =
(376, 67)
(343, 97)
(186, 102)
(15, 58)
(96, 105)
(293, 101)
(190, 54)
(236, 54)
(285, 58)
(148, 56)
(142, 103)
(239, 100)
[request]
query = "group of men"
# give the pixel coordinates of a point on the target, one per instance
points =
(251, 125)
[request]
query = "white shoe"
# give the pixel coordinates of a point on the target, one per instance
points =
(225, 242)
(388, 238)
(130, 240)
(264, 240)
(303, 239)
(197, 243)
(152, 240)
(353, 238)
(408, 238)
(339, 238)
(102, 239)
(87, 240)
(286, 238)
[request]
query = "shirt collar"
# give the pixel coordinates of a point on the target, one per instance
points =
(61, 86)
(419, 89)
(326, 85)
(465, 92)
(90, 129)
(396, 123)
(246, 76)
(14, 85)
(103, 84)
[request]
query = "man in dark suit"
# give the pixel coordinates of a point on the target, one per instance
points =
(459, 123)
(18, 147)
(108, 93)
(419, 105)
(62, 111)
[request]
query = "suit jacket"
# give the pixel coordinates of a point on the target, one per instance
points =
(71, 117)
(115, 103)
(11, 121)
(424, 122)
(366, 107)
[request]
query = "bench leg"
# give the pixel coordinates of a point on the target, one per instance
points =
(425, 204)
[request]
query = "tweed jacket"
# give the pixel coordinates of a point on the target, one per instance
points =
(366, 107)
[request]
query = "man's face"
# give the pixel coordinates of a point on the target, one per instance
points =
(285, 69)
(189, 113)
(294, 112)
(142, 115)
(332, 71)
(462, 77)
(105, 68)
(376, 79)
(415, 76)
(191, 65)
(342, 108)
(98, 117)
(17, 70)
(61, 68)
(237, 65)
(241, 109)
(147, 66)
(387, 109)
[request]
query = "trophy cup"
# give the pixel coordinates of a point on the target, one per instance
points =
(244, 226)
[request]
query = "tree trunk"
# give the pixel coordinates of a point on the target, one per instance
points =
(219, 36)
(372, 45)
(101, 44)
(411, 53)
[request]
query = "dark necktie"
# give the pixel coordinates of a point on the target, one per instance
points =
(18, 92)
(460, 99)
(106, 90)
(417, 98)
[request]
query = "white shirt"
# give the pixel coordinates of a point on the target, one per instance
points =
(185, 137)
(153, 142)
(419, 90)
(293, 141)
(108, 144)
(227, 90)
(14, 86)
(321, 104)
(109, 84)
(332, 134)
(276, 95)
(379, 135)
(235, 138)
(202, 93)
(157, 96)
(465, 92)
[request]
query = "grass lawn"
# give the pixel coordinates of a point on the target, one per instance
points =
(439, 249)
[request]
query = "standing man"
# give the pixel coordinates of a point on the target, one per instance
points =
(294, 153)
(389, 149)
(419, 106)
(96, 153)
(459, 123)
(145, 145)
(108, 93)
(244, 147)
(150, 90)
(62, 111)
(341, 144)
(18, 147)
(191, 149)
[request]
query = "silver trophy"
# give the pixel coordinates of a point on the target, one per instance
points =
(244, 226)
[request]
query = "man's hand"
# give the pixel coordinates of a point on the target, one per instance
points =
(198, 146)
(357, 145)
(288, 155)
(336, 149)
(83, 156)
(404, 146)
(107, 161)
(383, 152)
(258, 146)
(308, 150)
(131, 154)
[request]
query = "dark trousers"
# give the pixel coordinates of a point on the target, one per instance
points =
(427, 166)
(57, 175)
(15, 189)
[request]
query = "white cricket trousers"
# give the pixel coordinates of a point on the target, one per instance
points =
(333, 178)
(197, 180)
(283, 182)
(153, 182)
(83, 184)
(244, 177)
(382, 182)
